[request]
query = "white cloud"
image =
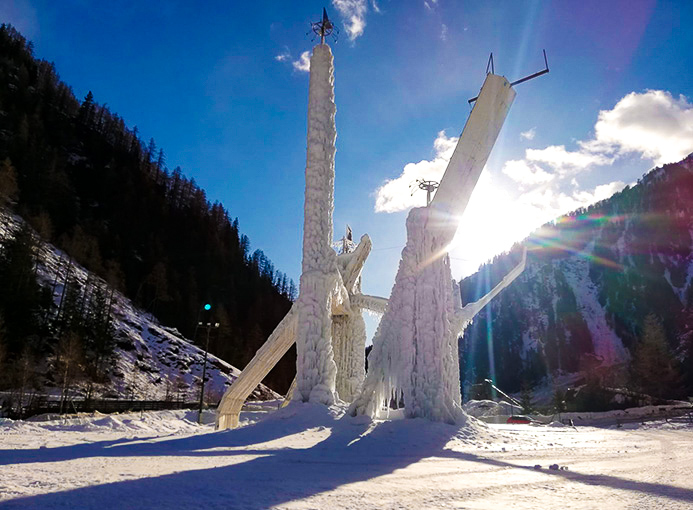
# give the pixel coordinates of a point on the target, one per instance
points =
(283, 57)
(558, 158)
(550, 204)
(353, 14)
(396, 194)
(601, 192)
(653, 123)
(303, 62)
(526, 173)
(529, 134)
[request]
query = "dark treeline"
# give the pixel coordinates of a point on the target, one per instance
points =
(87, 183)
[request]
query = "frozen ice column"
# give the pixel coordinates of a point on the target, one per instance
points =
(415, 347)
(315, 366)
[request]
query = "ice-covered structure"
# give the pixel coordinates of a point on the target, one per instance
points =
(415, 357)
(325, 321)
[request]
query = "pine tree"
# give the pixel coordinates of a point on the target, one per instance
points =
(99, 331)
(9, 190)
(526, 400)
(22, 302)
(559, 400)
(86, 111)
(24, 377)
(69, 317)
(69, 364)
(654, 368)
(3, 354)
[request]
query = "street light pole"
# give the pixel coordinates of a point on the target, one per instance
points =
(204, 372)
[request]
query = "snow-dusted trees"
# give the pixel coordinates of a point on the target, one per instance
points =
(22, 302)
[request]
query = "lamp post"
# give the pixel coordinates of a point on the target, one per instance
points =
(204, 367)
(206, 307)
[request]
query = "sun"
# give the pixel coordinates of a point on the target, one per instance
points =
(494, 220)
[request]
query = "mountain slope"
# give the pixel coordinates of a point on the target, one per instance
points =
(89, 184)
(592, 277)
(150, 361)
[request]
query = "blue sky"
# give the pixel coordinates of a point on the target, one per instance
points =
(216, 86)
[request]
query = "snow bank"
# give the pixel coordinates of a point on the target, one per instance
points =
(484, 408)
(150, 423)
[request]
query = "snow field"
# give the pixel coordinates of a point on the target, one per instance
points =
(310, 456)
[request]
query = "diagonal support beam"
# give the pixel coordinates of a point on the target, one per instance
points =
(284, 336)
(464, 315)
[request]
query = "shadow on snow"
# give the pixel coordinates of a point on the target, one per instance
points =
(354, 451)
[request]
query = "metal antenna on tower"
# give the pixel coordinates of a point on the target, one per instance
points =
(429, 186)
(324, 27)
(516, 82)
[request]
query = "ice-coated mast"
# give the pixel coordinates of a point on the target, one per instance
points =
(415, 354)
(325, 322)
(315, 366)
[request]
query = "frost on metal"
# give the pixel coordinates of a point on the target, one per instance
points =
(415, 360)
(281, 339)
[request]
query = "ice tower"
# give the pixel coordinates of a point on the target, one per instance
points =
(325, 321)
(415, 356)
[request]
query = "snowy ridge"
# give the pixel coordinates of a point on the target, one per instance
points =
(152, 361)
(591, 279)
(607, 345)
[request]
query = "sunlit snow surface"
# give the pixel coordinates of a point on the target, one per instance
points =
(309, 456)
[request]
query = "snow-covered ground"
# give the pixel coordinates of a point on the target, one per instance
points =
(309, 456)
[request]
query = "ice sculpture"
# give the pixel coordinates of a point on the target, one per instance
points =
(325, 321)
(415, 357)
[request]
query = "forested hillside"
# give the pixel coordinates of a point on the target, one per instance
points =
(607, 291)
(86, 182)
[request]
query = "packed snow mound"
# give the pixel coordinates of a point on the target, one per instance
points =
(484, 408)
(392, 434)
(152, 361)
